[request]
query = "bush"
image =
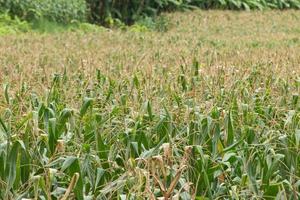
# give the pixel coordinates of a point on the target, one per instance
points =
(129, 11)
(12, 26)
(62, 11)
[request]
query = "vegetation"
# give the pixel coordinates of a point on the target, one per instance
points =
(205, 110)
(12, 26)
(112, 12)
(15, 26)
(61, 11)
(129, 11)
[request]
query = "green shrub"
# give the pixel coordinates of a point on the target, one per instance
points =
(62, 11)
(11, 26)
(129, 11)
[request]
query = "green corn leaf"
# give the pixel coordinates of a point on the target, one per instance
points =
(11, 167)
(6, 87)
(4, 126)
(72, 166)
(229, 130)
(99, 175)
(88, 102)
(52, 134)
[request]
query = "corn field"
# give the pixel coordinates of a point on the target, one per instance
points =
(192, 113)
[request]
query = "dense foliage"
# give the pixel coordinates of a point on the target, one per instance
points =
(127, 11)
(62, 11)
(12, 26)
(130, 10)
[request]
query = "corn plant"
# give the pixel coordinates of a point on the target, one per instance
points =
(118, 142)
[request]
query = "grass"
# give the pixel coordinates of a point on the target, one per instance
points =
(208, 109)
